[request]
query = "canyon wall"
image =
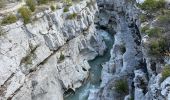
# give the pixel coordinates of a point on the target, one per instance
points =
(48, 58)
(131, 73)
(41, 60)
(121, 19)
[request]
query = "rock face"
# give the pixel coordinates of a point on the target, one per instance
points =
(129, 60)
(120, 17)
(41, 60)
(48, 58)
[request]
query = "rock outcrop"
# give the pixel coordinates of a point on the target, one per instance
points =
(120, 17)
(41, 60)
(129, 60)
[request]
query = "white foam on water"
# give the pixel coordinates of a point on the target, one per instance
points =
(104, 34)
(85, 93)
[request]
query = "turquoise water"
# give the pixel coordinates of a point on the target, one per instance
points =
(95, 72)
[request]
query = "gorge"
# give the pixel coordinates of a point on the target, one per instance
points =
(85, 50)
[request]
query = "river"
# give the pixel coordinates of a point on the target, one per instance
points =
(94, 79)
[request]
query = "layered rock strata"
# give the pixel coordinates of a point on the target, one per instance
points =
(41, 60)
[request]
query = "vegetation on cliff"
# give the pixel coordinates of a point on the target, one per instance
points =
(165, 72)
(156, 18)
(152, 5)
(25, 14)
(9, 19)
(121, 86)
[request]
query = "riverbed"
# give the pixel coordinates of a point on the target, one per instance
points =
(94, 80)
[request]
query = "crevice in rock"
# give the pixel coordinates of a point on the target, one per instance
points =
(29, 57)
(3, 87)
(14, 93)
(69, 91)
(84, 69)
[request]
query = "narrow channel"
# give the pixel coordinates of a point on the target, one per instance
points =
(95, 72)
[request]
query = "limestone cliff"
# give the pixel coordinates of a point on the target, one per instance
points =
(131, 72)
(121, 18)
(48, 58)
(41, 60)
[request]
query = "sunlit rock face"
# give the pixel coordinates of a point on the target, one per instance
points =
(41, 60)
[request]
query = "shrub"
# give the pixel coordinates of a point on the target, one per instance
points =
(154, 48)
(28, 60)
(121, 86)
(62, 57)
(143, 30)
(31, 4)
(158, 47)
(26, 14)
(72, 16)
(42, 1)
(45, 1)
(9, 19)
(164, 19)
(66, 9)
(52, 7)
(165, 72)
(152, 5)
(154, 32)
(143, 18)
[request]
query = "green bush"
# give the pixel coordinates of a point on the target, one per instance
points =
(143, 18)
(31, 4)
(66, 9)
(72, 16)
(62, 57)
(143, 30)
(158, 47)
(42, 1)
(121, 86)
(26, 14)
(152, 5)
(164, 19)
(154, 48)
(154, 32)
(9, 19)
(52, 7)
(165, 72)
